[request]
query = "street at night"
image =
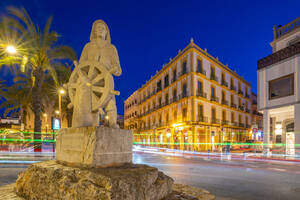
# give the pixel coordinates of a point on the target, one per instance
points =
(236, 179)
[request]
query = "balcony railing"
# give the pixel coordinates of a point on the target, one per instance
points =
(280, 31)
(232, 105)
(241, 92)
(214, 121)
(174, 79)
(232, 87)
(278, 56)
(247, 96)
(224, 102)
(182, 73)
(201, 94)
(183, 95)
(241, 125)
(233, 123)
(214, 78)
(247, 110)
(224, 83)
(202, 119)
(201, 71)
(214, 98)
(241, 108)
(225, 122)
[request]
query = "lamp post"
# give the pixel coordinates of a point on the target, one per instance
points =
(60, 93)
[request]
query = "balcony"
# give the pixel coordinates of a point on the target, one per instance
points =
(247, 126)
(215, 121)
(247, 96)
(182, 73)
(278, 56)
(202, 119)
(214, 78)
(232, 87)
(233, 124)
(242, 125)
(201, 71)
(174, 99)
(241, 92)
(247, 110)
(224, 102)
(183, 95)
(224, 83)
(201, 94)
(214, 98)
(174, 79)
(241, 108)
(232, 105)
(225, 122)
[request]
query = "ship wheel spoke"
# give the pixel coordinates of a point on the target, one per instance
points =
(98, 78)
(98, 89)
(91, 71)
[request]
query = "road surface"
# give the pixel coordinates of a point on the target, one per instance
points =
(226, 179)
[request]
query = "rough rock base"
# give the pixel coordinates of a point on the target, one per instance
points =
(7, 192)
(50, 180)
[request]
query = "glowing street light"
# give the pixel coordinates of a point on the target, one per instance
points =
(57, 112)
(62, 91)
(11, 49)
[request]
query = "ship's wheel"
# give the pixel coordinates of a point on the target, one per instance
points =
(98, 78)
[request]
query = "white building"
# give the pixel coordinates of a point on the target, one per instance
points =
(279, 90)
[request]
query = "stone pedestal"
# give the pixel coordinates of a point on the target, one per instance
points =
(94, 146)
(50, 180)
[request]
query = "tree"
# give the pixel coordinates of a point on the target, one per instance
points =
(38, 52)
(17, 97)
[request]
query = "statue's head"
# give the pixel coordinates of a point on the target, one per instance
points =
(100, 31)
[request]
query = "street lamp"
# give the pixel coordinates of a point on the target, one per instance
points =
(11, 49)
(61, 92)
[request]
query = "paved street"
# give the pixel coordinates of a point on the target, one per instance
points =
(234, 179)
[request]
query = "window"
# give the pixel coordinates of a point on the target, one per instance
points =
(200, 112)
(246, 120)
(281, 87)
(240, 119)
(232, 117)
(212, 73)
(184, 114)
(159, 86)
(167, 117)
(175, 115)
(223, 96)
(167, 98)
(174, 75)
(159, 101)
(232, 99)
(174, 94)
(184, 90)
(166, 80)
(213, 113)
(200, 88)
(223, 115)
(213, 92)
(199, 66)
(184, 70)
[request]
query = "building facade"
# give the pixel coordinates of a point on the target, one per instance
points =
(279, 90)
(194, 102)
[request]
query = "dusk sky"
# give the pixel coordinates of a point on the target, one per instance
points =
(148, 33)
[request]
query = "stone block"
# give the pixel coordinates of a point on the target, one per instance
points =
(94, 146)
(51, 180)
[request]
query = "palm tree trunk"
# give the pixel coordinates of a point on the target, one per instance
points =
(37, 107)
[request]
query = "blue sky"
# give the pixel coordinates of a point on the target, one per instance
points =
(148, 33)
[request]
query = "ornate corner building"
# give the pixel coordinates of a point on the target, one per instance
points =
(279, 90)
(194, 103)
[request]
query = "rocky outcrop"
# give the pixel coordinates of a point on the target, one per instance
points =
(50, 180)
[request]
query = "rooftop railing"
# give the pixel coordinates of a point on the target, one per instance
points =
(282, 30)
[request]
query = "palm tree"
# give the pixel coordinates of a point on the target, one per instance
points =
(18, 97)
(37, 52)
